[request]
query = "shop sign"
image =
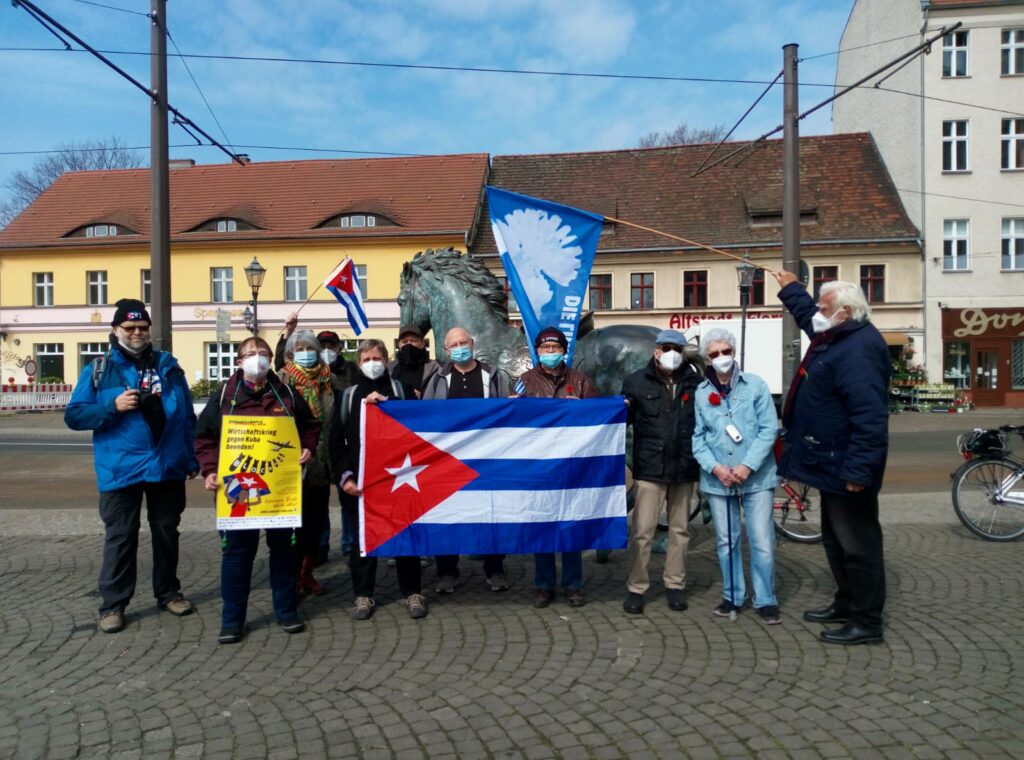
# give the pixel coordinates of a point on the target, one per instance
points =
(987, 323)
(686, 320)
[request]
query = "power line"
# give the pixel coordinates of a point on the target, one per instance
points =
(113, 8)
(855, 47)
(734, 126)
(960, 198)
(345, 151)
(200, 89)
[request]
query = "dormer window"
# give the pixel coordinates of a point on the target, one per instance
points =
(224, 224)
(357, 220)
(227, 225)
(774, 218)
(100, 231)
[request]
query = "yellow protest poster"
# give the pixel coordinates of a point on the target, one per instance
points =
(259, 473)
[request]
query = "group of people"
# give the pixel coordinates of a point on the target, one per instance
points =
(695, 421)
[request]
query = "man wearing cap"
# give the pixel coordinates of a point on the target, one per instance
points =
(412, 364)
(551, 378)
(660, 398)
(137, 403)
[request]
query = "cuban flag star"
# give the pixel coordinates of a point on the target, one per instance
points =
(492, 476)
(343, 283)
(547, 250)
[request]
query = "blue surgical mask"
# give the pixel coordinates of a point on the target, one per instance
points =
(461, 354)
(305, 358)
(551, 360)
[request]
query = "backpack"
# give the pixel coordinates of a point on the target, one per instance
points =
(348, 396)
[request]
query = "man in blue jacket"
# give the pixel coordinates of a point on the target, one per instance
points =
(137, 403)
(836, 422)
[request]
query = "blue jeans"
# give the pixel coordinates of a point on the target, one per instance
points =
(572, 571)
(349, 525)
(757, 508)
(236, 574)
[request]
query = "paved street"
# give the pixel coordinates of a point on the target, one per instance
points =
(486, 675)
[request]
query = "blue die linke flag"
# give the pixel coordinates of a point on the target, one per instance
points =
(492, 476)
(547, 250)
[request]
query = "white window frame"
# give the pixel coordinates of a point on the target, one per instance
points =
(89, 351)
(295, 287)
(365, 220)
(959, 145)
(96, 280)
(227, 225)
(363, 282)
(42, 288)
(1011, 50)
(146, 285)
(222, 284)
(951, 51)
(101, 230)
(1012, 244)
(1012, 144)
(956, 236)
(220, 360)
(48, 349)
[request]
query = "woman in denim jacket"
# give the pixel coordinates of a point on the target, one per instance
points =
(732, 404)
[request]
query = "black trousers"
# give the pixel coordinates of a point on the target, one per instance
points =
(315, 501)
(364, 573)
(121, 512)
(852, 537)
(448, 564)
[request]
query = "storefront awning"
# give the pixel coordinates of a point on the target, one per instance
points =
(896, 338)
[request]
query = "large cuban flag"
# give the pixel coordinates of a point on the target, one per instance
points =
(343, 283)
(547, 250)
(492, 476)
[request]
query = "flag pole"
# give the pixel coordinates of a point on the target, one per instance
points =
(688, 242)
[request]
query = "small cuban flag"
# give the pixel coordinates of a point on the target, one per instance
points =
(343, 283)
(447, 477)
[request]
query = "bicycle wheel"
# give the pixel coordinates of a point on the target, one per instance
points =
(980, 491)
(799, 518)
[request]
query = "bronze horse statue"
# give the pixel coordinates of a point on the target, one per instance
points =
(443, 289)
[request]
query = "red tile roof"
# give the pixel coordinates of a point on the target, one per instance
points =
(843, 181)
(287, 199)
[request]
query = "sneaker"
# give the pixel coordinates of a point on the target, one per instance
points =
(424, 562)
(445, 584)
(601, 556)
(229, 636)
(417, 606)
(726, 607)
(770, 614)
(179, 606)
(542, 597)
(392, 562)
(363, 608)
(112, 622)
(497, 582)
(634, 604)
(575, 597)
(292, 625)
(676, 599)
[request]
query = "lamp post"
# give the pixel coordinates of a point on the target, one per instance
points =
(745, 275)
(254, 274)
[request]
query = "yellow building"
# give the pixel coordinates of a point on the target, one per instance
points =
(84, 243)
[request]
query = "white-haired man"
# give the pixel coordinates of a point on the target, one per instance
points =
(836, 439)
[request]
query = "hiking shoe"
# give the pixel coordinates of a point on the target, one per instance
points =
(634, 604)
(445, 584)
(229, 636)
(112, 622)
(292, 625)
(179, 606)
(363, 608)
(575, 597)
(417, 606)
(770, 614)
(542, 597)
(676, 599)
(497, 582)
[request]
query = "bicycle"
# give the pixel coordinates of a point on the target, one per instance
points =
(796, 508)
(988, 493)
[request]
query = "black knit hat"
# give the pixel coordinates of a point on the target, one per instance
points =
(551, 335)
(130, 309)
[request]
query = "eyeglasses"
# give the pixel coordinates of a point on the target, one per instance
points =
(670, 347)
(723, 352)
(135, 328)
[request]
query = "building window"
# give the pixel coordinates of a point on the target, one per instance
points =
(361, 276)
(42, 288)
(872, 282)
(954, 54)
(956, 363)
(357, 220)
(1017, 365)
(227, 225)
(512, 305)
(1013, 244)
(96, 288)
(89, 351)
(50, 362)
(295, 283)
(1013, 144)
(222, 289)
(146, 285)
(223, 224)
(695, 288)
(220, 360)
(956, 236)
(101, 230)
(954, 146)
(600, 291)
(757, 289)
(823, 275)
(641, 290)
(1013, 51)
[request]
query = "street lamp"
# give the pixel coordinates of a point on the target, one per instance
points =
(247, 318)
(745, 275)
(254, 274)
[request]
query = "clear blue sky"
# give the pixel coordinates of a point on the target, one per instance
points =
(48, 98)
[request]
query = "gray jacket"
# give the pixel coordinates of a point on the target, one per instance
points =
(496, 382)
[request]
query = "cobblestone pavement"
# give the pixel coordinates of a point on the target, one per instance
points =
(487, 675)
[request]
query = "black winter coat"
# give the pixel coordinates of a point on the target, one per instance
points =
(663, 424)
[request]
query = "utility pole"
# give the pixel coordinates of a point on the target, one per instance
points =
(790, 206)
(160, 220)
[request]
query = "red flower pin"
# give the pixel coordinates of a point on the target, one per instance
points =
(714, 399)
(686, 397)
(803, 372)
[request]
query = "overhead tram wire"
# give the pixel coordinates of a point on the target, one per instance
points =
(113, 8)
(345, 151)
(209, 108)
(50, 24)
(856, 47)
